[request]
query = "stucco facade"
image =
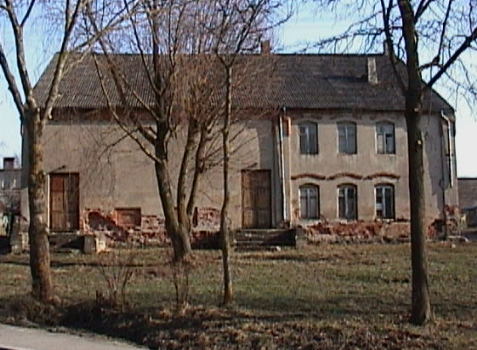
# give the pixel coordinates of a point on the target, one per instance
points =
(114, 173)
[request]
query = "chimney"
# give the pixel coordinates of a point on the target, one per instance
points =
(265, 47)
(372, 72)
(8, 163)
(386, 48)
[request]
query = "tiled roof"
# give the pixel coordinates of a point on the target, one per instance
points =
(305, 81)
(467, 192)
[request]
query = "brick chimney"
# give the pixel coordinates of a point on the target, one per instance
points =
(265, 47)
(372, 72)
(8, 163)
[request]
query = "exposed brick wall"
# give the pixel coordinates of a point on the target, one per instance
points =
(152, 229)
(359, 231)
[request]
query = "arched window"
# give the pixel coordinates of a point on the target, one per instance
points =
(385, 140)
(348, 202)
(309, 202)
(308, 138)
(385, 201)
(347, 137)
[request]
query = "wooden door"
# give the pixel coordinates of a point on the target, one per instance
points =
(256, 199)
(64, 202)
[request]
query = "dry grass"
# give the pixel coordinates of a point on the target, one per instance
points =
(324, 297)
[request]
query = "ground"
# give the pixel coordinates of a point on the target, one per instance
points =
(322, 297)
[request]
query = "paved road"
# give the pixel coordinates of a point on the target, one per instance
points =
(17, 338)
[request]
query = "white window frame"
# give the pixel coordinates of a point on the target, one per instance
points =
(344, 192)
(306, 191)
(385, 138)
(385, 193)
(348, 131)
(306, 137)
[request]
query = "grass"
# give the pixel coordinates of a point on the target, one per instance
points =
(322, 297)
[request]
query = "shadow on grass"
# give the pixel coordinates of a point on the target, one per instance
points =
(277, 324)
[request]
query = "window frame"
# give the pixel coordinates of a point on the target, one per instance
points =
(343, 192)
(309, 146)
(385, 145)
(309, 215)
(382, 187)
(351, 146)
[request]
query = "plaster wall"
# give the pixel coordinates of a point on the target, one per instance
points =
(328, 169)
(115, 173)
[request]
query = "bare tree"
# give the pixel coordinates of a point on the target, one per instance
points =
(239, 28)
(164, 35)
(187, 50)
(171, 43)
(33, 116)
(444, 32)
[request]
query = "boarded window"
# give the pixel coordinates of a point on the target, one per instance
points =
(309, 202)
(128, 217)
(308, 138)
(385, 201)
(385, 139)
(347, 137)
(347, 202)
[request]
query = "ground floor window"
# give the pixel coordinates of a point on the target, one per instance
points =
(385, 201)
(309, 202)
(347, 202)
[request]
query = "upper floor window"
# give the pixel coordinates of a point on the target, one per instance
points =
(385, 138)
(308, 138)
(309, 202)
(385, 201)
(348, 202)
(347, 137)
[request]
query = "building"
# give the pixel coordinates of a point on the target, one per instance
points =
(468, 199)
(10, 177)
(330, 145)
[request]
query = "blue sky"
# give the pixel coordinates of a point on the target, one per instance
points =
(307, 26)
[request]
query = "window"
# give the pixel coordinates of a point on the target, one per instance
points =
(308, 138)
(347, 202)
(385, 201)
(347, 138)
(309, 202)
(385, 138)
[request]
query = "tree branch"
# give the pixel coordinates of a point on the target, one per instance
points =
(12, 84)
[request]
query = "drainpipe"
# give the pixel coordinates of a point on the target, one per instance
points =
(451, 168)
(282, 163)
(451, 150)
(443, 185)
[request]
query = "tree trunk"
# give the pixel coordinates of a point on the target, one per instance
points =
(224, 226)
(42, 283)
(421, 306)
(178, 233)
(184, 216)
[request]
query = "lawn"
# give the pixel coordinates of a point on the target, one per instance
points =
(321, 297)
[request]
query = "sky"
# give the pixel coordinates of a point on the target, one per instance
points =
(305, 27)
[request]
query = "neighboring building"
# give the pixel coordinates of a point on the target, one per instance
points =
(10, 178)
(468, 199)
(332, 147)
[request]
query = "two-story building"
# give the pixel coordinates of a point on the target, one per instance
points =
(10, 177)
(330, 145)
